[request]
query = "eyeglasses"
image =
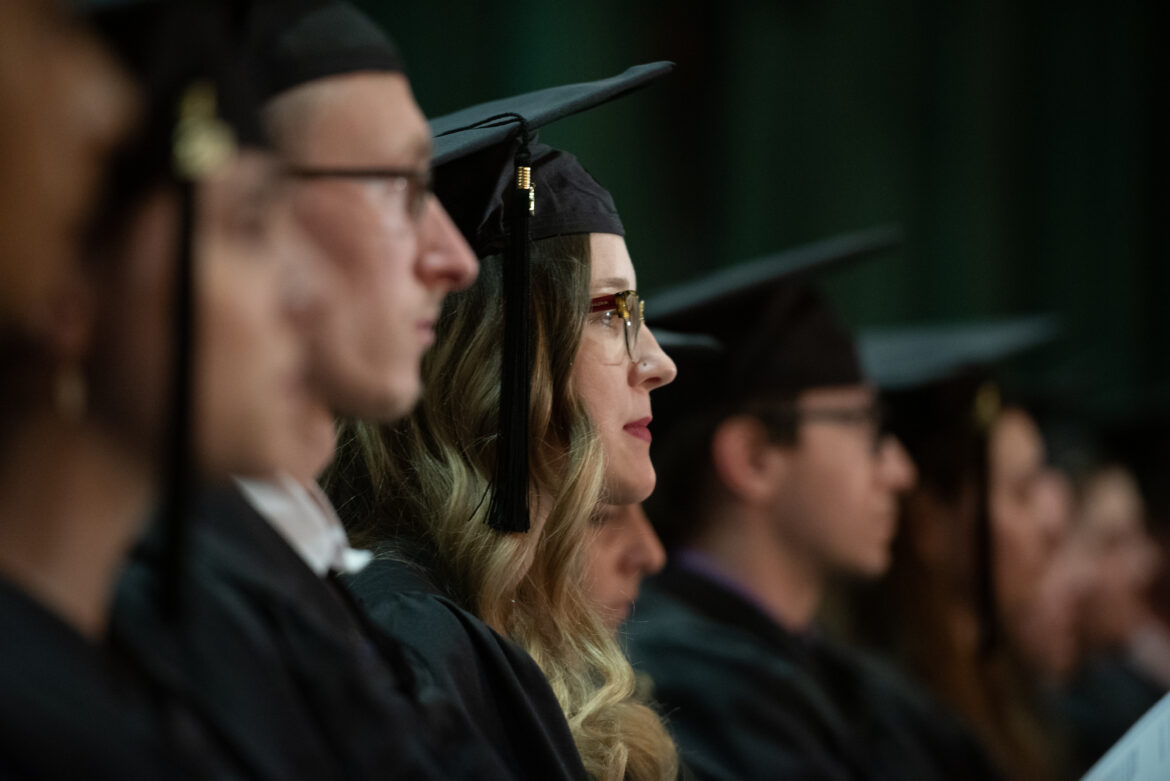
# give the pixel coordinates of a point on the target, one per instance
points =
(413, 183)
(869, 416)
(624, 312)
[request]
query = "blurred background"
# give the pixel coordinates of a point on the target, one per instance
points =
(1022, 146)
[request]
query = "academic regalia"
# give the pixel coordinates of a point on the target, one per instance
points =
(72, 708)
(497, 686)
(454, 653)
(746, 698)
(1105, 697)
(278, 658)
(941, 402)
(273, 655)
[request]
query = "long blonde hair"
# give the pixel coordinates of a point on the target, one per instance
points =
(423, 486)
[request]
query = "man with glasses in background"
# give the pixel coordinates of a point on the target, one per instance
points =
(775, 479)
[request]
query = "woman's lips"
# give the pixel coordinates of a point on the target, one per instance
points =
(639, 429)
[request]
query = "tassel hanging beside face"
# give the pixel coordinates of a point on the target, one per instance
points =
(509, 511)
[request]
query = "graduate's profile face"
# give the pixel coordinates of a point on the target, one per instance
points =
(836, 497)
(255, 284)
(1120, 557)
(1047, 633)
(64, 105)
(391, 252)
(250, 293)
(616, 392)
(1023, 541)
(623, 549)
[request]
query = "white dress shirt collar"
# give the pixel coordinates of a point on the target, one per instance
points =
(304, 516)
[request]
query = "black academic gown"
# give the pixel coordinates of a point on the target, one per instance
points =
(283, 664)
(457, 656)
(70, 708)
(1098, 705)
(747, 699)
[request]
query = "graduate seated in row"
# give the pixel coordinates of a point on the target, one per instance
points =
(66, 103)
(623, 550)
(1113, 665)
(108, 410)
(479, 504)
(973, 544)
(776, 479)
(270, 648)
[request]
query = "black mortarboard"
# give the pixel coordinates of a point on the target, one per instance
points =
(477, 127)
(941, 403)
(474, 191)
(903, 357)
(499, 185)
(200, 104)
(753, 333)
(744, 285)
(778, 335)
(304, 40)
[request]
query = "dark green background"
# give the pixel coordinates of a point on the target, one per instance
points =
(1022, 145)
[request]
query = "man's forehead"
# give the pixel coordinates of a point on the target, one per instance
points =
(835, 393)
(371, 114)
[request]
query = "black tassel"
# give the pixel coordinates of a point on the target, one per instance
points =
(177, 479)
(509, 510)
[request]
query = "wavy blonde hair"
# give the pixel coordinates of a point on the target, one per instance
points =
(425, 483)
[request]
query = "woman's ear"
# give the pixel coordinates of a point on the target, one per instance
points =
(747, 462)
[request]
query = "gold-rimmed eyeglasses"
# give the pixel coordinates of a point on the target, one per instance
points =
(628, 308)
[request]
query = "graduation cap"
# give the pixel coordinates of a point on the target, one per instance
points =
(941, 404)
(200, 106)
(754, 332)
(745, 285)
(503, 190)
(765, 330)
(299, 41)
(899, 358)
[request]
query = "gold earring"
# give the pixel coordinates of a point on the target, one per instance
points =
(69, 393)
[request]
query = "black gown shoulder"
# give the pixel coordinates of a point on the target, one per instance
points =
(455, 656)
(746, 699)
(71, 708)
(282, 663)
(1095, 708)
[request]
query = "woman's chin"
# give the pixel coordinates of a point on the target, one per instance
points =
(629, 488)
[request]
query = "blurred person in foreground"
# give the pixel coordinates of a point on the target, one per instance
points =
(189, 211)
(273, 648)
(65, 104)
(777, 480)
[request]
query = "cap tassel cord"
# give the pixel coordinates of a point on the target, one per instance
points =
(177, 486)
(509, 510)
(202, 144)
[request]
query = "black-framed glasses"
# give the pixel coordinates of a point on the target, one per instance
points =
(628, 307)
(413, 183)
